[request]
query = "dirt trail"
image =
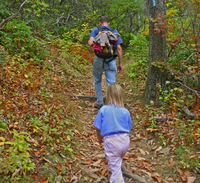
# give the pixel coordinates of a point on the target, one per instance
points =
(145, 157)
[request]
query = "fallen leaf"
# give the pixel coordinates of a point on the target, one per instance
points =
(88, 162)
(54, 78)
(182, 175)
(194, 156)
(144, 171)
(157, 177)
(37, 153)
(103, 163)
(58, 166)
(35, 175)
(44, 180)
(142, 151)
(68, 164)
(83, 154)
(170, 161)
(134, 156)
(77, 132)
(93, 170)
(187, 173)
(16, 172)
(79, 157)
(96, 163)
(158, 149)
(140, 164)
(191, 179)
(125, 158)
(140, 159)
(152, 130)
(103, 172)
(100, 155)
(48, 161)
(12, 125)
(94, 158)
(73, 178)
(68, 138)
(154, 148)
(50, 108)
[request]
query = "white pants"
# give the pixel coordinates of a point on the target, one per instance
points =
(115, 147)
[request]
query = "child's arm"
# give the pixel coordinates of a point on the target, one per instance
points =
(100, 138)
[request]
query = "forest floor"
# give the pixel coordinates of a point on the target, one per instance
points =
(148, 156)
(62, 141)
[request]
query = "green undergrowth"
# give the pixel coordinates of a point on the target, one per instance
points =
(137, 51)
(37, 117)
(180, 133)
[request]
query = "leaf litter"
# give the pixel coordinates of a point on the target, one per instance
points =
(146, 156)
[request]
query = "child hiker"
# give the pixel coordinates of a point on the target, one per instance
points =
(113, 124)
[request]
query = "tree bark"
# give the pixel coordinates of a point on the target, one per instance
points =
(157, 52)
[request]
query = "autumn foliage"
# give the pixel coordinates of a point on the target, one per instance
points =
(45, 133)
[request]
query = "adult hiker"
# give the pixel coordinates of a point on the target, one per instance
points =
(106, 42)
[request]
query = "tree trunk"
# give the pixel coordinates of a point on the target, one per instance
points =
(61, 2)
(157, 52)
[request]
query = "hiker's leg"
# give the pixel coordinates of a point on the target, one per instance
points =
(97, 71)
(110, 72)
(115, 147)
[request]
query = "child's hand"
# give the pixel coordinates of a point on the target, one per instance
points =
(100, 140)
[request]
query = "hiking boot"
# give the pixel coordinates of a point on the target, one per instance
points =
(97, 106)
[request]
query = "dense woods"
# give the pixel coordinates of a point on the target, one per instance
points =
(45, 59)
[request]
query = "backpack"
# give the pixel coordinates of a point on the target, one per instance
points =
(107, 51)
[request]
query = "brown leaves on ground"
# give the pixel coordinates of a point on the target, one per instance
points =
(147, 156)
(49, 102)
(35, 98)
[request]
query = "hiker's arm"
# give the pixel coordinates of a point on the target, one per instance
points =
(100, 138)
(119, 51)
(90, 42)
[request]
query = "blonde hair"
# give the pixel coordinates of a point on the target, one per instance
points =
(115, 95)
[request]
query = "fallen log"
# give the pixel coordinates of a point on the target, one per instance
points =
(188, 113)
(160, 119)
(87, 97)
(125, 172)
(92, 175)
(133, 176)
(185, 110)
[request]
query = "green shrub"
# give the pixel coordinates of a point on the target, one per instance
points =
(138, 48)
(17, 38)
(16, 154)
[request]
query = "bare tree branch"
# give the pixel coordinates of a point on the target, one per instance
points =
(4, 22)
(45, 43)
(30, 21)
(195, 91)
(188, 58)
